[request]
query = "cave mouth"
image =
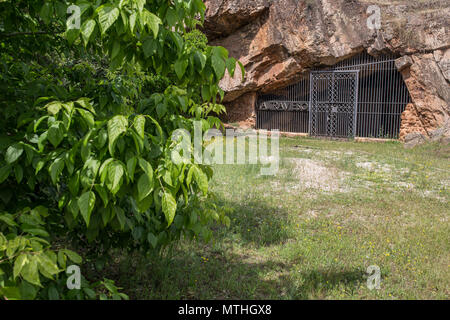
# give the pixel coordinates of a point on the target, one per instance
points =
(363, 96)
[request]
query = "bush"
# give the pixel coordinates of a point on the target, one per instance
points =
(86, 120)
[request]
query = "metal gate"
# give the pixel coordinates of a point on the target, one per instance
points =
(333, 103)
(285, 109)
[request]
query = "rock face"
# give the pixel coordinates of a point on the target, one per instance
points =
(278, 40)
(414, 139)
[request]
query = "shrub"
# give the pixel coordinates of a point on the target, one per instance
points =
(86, 121)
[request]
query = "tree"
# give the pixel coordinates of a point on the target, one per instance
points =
(86, 119)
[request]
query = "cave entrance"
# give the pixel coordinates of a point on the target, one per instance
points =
(313, 105)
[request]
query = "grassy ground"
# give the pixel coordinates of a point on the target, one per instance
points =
(311, 231)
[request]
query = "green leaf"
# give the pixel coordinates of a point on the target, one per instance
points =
(151, 21)
(242, 69)
(47, 266)
(115, 49)
(90, 293)
(172, 17)
(161, 109)
(87, 116)
(56, 169)
(86, 30)
(145, 186)
(104, 169)
(115, 177)
(61, 259)
(169, 207)
(36, 232)
(38, 122)
(86, 204)
(178, 40)
(139, 125)
(27, 291)
(199, 60)
(131, 167)
(53, 108)
(146, 166)
(107, 15)
(8, 219)
(206, 95)
(218, 65)
(102, 193)
(56, 133)
(89, 173)
(74, 183)
(18, 171)
(86, 104)
(120, 216)
(180, 67)
(190, 175)
(201, 179)
(73, 256)
(5, 172)
(20, 262)
(116, 126)
(71, 35)
(13, 153)
(41, 140)
(101, 139)
(152, 239)
(140, 4)
(46, 12)
(133, 21)
(53, 293)
(149, 47)
(145, 204)
(220, 52)
(30, 271)
(11, 293)
(231, 66)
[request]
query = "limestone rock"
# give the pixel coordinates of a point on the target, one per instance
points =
(429, 90)
(411, 122)
(225, 17)
(403, 63)
(442, 134)
(414, 139)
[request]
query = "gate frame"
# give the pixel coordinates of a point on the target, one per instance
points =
(355, 103)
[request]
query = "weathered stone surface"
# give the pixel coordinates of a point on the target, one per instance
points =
(278, 40)
(231, 15)
(411, 122)
(403, 63)
(442, 134)
(242, 109)
(414, 139)
(429, 90)
(442, 58)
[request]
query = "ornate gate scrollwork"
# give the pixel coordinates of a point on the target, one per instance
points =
(333, 105)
